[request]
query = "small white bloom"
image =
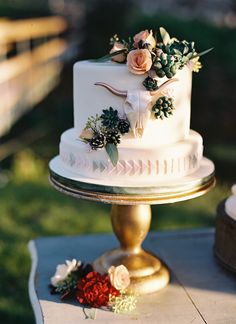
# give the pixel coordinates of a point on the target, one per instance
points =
(63, 270)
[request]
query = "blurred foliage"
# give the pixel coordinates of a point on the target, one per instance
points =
(24, 8)
(105, 18)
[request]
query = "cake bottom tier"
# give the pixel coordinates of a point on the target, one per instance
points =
(136, 163)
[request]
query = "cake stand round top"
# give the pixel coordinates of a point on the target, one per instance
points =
(151, 193)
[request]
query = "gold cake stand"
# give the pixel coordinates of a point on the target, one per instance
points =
(131, 219)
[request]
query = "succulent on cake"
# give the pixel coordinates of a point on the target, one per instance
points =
(163, 107)
(165, 64)
(112, 136)
(110, 118)
(150, 84)
(156, 53)
(97, 141)
(123, 126)
(104, 131)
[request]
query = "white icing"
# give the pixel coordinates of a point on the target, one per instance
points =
(90, 100)
(166, 162)
(230, 204)
(183, 184)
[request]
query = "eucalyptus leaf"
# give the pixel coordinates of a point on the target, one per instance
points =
(203, 53)
(185, 51)
(108, 56)
(177, 51)
(112, 152)
(164, 35)
(189, 55)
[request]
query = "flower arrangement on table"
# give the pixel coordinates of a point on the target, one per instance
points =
(92, 289)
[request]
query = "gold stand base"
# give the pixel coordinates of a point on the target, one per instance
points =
(148, 273)
(131, 225)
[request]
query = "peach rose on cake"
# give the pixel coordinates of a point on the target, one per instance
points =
(139, 61)
(146, 37)
(119, 277)
(120, 58)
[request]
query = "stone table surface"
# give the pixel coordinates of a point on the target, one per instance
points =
(200, 291)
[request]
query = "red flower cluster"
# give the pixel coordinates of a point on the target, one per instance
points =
(94, 290)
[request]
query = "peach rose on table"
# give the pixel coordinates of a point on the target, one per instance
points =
(120, 58)
(146, 37)
(119, 277)
(139, 61)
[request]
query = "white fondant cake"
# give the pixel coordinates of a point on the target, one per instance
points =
(167, 149)
(90, 100)
(132, 121)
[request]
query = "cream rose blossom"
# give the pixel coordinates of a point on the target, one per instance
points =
(63, 270)
(146, 37)
(119, 277)
(139, 61)
(86, 134)
(120, 58)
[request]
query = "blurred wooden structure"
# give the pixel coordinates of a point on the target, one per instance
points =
(30, 64)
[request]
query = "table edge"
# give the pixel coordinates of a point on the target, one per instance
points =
(38, 314)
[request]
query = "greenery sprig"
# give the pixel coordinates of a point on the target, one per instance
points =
(92, 122)
(105, 131)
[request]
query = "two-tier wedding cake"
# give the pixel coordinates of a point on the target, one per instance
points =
(132, 113)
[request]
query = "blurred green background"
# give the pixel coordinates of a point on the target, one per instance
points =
(29, 207)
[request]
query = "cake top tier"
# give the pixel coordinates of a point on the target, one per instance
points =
(139, 93)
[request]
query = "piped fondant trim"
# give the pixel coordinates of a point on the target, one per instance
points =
(173, 166)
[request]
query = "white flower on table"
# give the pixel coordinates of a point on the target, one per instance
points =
(63, 270)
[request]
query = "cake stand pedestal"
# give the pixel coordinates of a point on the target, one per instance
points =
(131, 217)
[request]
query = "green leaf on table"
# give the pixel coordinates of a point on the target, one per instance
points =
(90, 313)
(112, 152)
